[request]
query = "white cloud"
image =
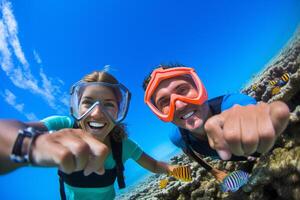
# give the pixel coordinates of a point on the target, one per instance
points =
(31, 117)
(11, 99)
(14, 63)
(12, 29)
(37, 57)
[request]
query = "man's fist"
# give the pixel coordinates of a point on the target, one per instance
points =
(243, 130)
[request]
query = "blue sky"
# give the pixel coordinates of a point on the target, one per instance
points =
(46, 46)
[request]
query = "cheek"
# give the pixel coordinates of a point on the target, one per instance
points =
(193, 93)
(83, 124)
(113, 112)
(81, 110)
(165, 110)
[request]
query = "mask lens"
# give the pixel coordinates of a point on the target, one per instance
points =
(114, 101)
(184, 88)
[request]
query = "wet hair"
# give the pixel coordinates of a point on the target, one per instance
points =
(164, 66)
(119, 132)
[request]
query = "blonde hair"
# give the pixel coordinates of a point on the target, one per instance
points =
(119, 132)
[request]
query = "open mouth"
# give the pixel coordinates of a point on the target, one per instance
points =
(188, 115)
(96, 125)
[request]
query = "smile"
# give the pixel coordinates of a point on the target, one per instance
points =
(188, 115)
(96, 125)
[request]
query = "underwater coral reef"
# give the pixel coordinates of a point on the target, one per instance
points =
(275, 175)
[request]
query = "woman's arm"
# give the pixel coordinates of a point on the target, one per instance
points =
(153, 165)
(67, 149)
(8, 134)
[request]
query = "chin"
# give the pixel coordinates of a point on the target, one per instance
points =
(195, 127)
(98, 134)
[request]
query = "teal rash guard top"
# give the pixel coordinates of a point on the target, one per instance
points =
(129, 150)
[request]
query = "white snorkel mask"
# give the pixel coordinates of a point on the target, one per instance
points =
(122, 95)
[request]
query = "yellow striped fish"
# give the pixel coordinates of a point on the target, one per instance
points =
(254, 87)
(163, 183)
(182, 173)
(272, 82)
(285, 77)
(275, 90)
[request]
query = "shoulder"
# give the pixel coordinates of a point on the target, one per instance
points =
(57, 122)
(176, 139)
(236, 98)
(131, 149)
(129, 143)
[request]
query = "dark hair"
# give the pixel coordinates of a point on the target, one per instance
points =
(164, 66)
(119, 131)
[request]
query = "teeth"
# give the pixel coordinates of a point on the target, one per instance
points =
(188, 115)
(96, 124)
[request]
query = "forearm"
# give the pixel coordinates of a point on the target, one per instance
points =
(8, 134)
(161, 167)
(153, 165)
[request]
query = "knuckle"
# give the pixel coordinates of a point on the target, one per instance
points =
(281, 110)
(209, 125)
(64, 131)
(231, 136)
(100, 149)
(267, 134)
(81, 147)
(236, 108)
(64, 156)
(104, 149)
(250, 142)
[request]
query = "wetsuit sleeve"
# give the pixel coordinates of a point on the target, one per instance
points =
(54, 123)
(131, 150)
(240, 99)
(176, 138)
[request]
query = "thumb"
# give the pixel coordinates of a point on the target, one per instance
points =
(224, 154)
(214, 130)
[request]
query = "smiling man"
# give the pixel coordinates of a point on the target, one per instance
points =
(230, 127)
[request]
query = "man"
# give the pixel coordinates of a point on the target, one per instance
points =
(230, 127)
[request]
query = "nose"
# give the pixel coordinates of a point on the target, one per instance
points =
(97, 111)
(180, 105)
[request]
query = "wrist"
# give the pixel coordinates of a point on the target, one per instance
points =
(22, 148)
(25, 146)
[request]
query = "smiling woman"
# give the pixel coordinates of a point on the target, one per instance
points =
(98, 103)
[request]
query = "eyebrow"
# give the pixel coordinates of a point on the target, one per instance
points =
(174, 89)
(91, 98)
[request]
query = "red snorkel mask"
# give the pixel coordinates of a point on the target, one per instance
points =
(159, 75)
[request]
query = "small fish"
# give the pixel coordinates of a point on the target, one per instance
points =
(285, 77)
(275, 90)
(234, 181)
(254, 87)
(182, 173)
(273, 82)
(163, 183)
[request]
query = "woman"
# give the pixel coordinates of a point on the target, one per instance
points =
(99, 103)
